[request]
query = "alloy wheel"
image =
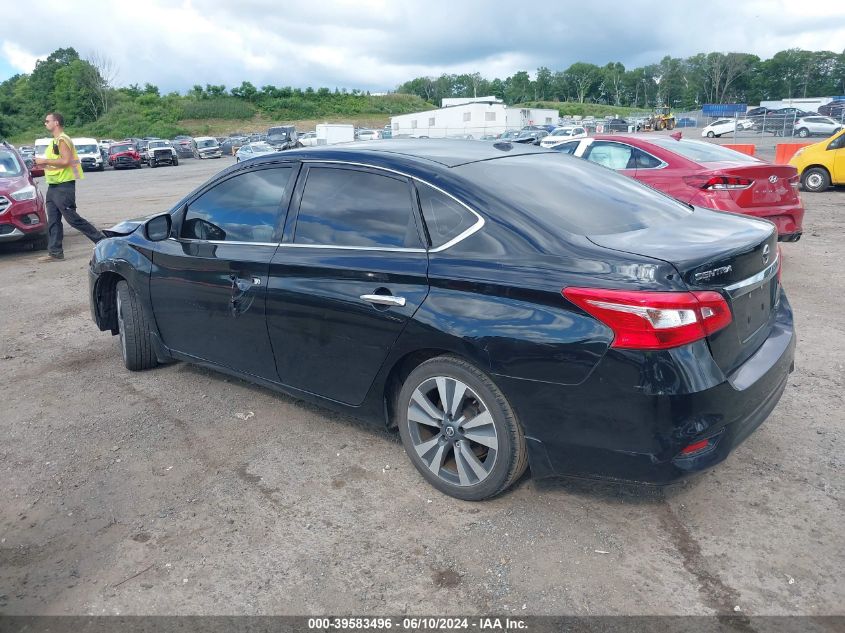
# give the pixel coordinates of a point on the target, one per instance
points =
(452, 431)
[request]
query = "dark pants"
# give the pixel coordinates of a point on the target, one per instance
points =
(61, 203)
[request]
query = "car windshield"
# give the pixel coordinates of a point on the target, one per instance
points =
(561, 192)
(562, 132)
(87, 149)
(209, 142)
(124, 147)
(158, 144)
(702, 152)
(279, 132)
(40, 150)
(10, 166)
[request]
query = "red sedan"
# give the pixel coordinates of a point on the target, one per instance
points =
(702, 174)
(22, 215)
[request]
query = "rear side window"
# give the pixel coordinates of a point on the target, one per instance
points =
(356, 208)
(445, 219)
(245, 208)
(572, 195)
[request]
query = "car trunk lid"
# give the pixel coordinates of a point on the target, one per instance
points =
(749, 185)
(735, 256)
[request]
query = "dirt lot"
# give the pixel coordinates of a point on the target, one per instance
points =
(158, 492)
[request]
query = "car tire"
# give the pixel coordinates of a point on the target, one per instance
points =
(135, 341)
(469, 463)
(815, 179)
(175, 162)
(711, 134)
(803, 132)
(152, 164)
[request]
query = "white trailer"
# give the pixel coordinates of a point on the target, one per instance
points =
(470, 120)
(333, 133)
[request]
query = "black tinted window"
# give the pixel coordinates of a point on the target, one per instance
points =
(444, 218)
(645, 160)
(572, 195)
(242, 209)
(567, 148)
(346, 207)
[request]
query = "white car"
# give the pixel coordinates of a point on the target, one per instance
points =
(726, 126)
(562, 134)
(369, 135)
(251, 150)
(160, 152)
(309, 139)
(89, 153)
(822, 125)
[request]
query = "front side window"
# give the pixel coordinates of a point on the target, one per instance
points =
(245, 208)
(356, 208)
(445, 218)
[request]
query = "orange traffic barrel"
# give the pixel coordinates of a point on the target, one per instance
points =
(742, 148)
(785, 151)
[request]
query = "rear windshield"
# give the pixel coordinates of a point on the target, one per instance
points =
(9, 164)
(117, 149)
(573, 194)
(209, 142)
(702, 152)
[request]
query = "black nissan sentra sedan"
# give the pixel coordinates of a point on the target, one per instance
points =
(501, 305)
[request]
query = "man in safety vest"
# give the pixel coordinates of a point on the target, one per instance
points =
(62, 169)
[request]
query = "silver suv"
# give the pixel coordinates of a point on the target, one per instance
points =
(809, 125)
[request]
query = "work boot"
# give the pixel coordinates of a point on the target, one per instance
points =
(50, 257)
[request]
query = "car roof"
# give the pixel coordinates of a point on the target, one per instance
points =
(447, 152)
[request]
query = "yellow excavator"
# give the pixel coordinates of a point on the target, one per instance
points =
(661, 119)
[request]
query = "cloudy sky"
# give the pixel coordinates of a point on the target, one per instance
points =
(377, 44)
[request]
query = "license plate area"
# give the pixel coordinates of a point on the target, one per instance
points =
(753, 309)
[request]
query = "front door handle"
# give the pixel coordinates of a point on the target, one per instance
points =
(384, 300)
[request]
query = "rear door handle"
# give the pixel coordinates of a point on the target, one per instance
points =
(384, 300)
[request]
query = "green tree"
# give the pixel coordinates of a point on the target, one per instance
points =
(583, 78)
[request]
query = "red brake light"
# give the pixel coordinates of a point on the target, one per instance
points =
(653, 320)
(695, 447)
(718, 183)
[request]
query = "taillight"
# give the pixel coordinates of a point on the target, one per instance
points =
(653, 320)
(718, 183)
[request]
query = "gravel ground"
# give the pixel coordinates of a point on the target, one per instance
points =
(158, 492)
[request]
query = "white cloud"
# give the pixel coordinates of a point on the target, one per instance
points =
(376, 44)
(18, 58)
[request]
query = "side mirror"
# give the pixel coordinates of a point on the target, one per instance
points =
(158, 228)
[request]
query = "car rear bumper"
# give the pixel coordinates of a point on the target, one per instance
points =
(631, 418)
(788, 218)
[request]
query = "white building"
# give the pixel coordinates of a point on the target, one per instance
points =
(808, 104)
(475, 117)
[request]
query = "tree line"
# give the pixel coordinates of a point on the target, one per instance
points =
(678, 82)
(83, 90)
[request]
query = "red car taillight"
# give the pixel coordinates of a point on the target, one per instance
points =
(653, 320)
(718, 183)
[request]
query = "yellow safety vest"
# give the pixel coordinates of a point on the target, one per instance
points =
(56, 175)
